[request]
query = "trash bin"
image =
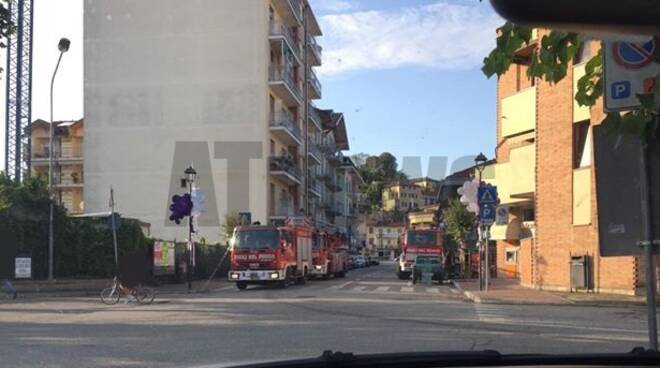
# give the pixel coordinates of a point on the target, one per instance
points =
(579, 268)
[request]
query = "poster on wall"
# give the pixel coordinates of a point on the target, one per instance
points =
(163, 257)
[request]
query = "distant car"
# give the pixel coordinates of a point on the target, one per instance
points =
(374, 261)
(367, 261)
(351, 262)
(360, 261)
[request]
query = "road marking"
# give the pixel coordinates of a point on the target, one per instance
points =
(359, 288)
(407, 289)
(453, 290)
(341, 286)
(224, 288)
(432, 290)
(383, 288)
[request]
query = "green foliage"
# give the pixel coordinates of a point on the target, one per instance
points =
(551, 60)
(458, 221)
(83, 247)
(376, 171)
(231, 221)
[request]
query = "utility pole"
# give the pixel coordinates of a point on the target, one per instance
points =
(648, 243)
(114, 226)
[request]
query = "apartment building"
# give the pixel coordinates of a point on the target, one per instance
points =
(68, 172)
(350, 181)
(545, 176)
(383, 239)
(225, 85)
(407, 195)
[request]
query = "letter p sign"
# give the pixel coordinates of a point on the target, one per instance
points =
(620, 90)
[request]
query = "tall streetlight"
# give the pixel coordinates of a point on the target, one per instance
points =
(63, 46)
(191, 176)
(480, 164)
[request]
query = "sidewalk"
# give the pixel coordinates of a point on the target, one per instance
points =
(507, 291)
(92, 287)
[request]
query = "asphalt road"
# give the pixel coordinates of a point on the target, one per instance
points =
(369, 311)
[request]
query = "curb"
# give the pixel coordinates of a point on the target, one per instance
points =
(567, 301)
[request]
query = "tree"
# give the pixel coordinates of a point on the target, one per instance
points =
(556, 52)
(458, 221)
(231, 221)
(376, 171)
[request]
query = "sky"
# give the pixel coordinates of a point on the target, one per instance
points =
(405, 73)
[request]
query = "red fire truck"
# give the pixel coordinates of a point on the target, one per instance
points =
(263, 254)
(329, 254)
(419, 241)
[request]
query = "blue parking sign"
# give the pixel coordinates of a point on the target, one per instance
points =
(487, 213)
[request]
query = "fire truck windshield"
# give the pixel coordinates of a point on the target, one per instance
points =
(257, 239)
(421, 238)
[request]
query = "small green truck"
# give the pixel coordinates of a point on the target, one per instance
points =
(428, 266)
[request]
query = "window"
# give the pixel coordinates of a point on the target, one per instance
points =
(511, 256)
(581, 145)
(371, 230)
(528, 214)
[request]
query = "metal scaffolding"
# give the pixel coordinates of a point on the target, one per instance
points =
(18, 112)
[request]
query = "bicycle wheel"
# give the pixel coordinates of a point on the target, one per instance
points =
(110, 296)
(145, 295)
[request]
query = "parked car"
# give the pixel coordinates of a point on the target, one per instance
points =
(351, 262)
(360, 261)
(374, 261)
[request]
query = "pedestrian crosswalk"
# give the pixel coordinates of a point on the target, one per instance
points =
(391, 287)
(492, 313)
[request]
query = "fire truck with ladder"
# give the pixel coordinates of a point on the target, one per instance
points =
(329, 254)
(416, 240)
(266, 254)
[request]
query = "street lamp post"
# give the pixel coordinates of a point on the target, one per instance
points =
(480, 164)
(63, 46)
(381, 252)
(191, 176)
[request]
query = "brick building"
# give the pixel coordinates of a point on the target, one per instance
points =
(545, 176)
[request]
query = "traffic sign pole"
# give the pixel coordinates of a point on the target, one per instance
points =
(647, 242)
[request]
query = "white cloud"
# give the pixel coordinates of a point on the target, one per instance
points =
(439, 35)
(333, 6)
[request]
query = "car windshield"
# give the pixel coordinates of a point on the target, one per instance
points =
(256, 239)
(421, 238)
(201, 183)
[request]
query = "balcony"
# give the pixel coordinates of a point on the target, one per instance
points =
(289, 10)
(315, 90)
(70, 157)
(314, 117)
(281, 79)
(335, 159)
(519, 112)
(283, 127)
(328, 148)
(285, 169)
(281, 33)
(315, 154)
(314, 187)
(314, 51)
(282, 210)
(516, 179)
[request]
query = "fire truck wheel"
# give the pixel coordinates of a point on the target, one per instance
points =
(241, 285)
(340, 274)
(285, 283)
(305, 276)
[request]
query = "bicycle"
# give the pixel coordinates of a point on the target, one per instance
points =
(112, 294)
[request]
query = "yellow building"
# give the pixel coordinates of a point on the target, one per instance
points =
(410, 194)
(68, 170)
(383, 239)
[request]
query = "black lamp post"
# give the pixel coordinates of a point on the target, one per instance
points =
(480, 163)
(191, 176)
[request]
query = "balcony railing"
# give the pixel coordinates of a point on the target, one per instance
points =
(328, 148)
(314, 83)
(314, 150)
(284, 74)
(285, 164)
(280, 30)
(283, 210)
(286, 121)
(315, 117)
(290, 10)
(317, 51)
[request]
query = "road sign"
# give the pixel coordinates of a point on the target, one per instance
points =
(629, 70)
(245, 218)
(487, 194)
(502, 215)
(23, 267)
(487, 214)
